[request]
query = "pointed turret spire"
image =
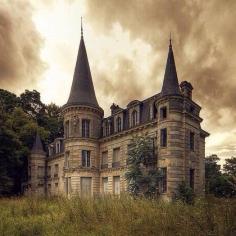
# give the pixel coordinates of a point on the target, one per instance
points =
(82, 90)
(170, 84)
(38, 146)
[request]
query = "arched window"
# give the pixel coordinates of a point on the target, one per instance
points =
(134, 118)
(118, 124)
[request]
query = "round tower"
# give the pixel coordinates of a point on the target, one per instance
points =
(171, 132)
(36, 168)
(82, 129)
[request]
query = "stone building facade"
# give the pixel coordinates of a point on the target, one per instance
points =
(91, 157)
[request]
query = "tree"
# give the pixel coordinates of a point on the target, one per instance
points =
(184, 193)
(218, 183)
(230, 166)
(142, 177)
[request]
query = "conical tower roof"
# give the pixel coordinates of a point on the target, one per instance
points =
(82, 90)
(170, 84)
(38, 146)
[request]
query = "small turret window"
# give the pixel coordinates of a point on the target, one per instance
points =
(163, 113)
(191, 141)
(163, 138)
(67, 129)
(85, 128)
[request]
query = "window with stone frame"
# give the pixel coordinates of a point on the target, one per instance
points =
(86, 162)
(192, 141)
(163, 180)
(40, 172)
(134, 118)
(105, 184)
(116, 157)
(85, 128)
(118, 124)
(104, 162)
(56, 170)
(116, 185)
(66, 163)
(67, 129)
(163, 138)
(163, 112)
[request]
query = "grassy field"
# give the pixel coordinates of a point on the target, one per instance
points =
(116, 216)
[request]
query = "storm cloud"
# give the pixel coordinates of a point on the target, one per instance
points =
(20, 44)
(204, 36)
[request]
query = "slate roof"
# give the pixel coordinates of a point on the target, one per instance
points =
(82, 90)
(38, 146)
(170, 84)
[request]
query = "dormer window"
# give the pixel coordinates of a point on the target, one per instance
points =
(118, 124)
(134, 118)
(107, 128)
(85, 128)
(163, 113)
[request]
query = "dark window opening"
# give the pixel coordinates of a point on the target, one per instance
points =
(67, 129)
(163, 137)
(191, 141)
(163, 113)
(118, 123)
(85, 128)
(163, 181)
(191, 178)
(85, 158)
(134, 117)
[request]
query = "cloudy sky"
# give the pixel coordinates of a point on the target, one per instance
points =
(127, 43)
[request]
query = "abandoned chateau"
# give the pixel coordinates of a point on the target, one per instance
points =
(91, 158)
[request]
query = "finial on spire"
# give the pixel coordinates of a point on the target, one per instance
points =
(170, 40)
(81, 26)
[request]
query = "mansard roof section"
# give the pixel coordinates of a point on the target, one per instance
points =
(82, 89)
(170, 84)
(37, 146)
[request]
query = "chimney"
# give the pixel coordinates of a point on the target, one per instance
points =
(186, 89)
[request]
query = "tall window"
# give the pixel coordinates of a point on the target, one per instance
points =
(163, 113)
(105, 184)
(107, 128)
(118, 124)
(40, 171)
(163, 137)
(191, 141)
(104, 163)
(68, 185)
(67, 129)
(116, 157)
(191, 178)
(134, 118)
(67, 155)
(163, 182)
(86, 158)
(58, 147)
(56, 170)
(85, 128)
(116, 185)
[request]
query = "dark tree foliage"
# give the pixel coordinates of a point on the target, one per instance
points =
(218, 183)
(143, 179)
(230, 166)
(20, 119)
(184, 193)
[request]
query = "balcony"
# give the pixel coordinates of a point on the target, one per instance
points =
(116, 164)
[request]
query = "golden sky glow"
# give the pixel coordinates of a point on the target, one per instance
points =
(127, 43)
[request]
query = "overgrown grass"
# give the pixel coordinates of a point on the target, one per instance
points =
(116, 216)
